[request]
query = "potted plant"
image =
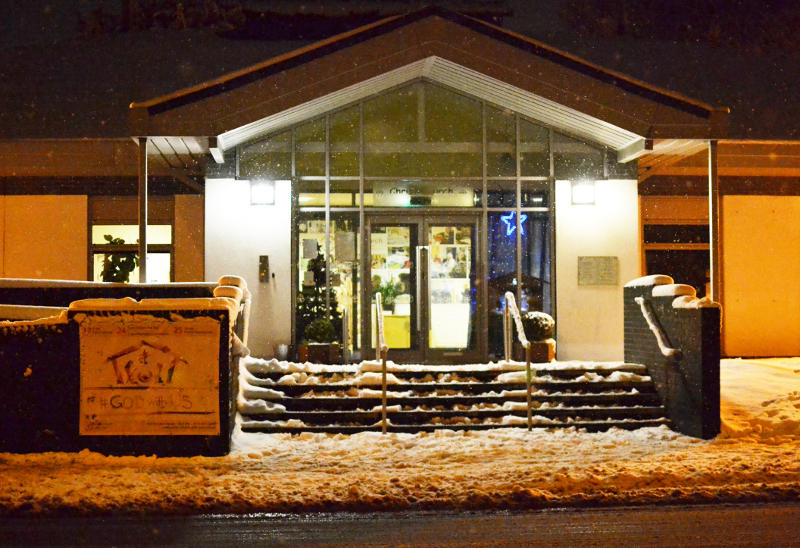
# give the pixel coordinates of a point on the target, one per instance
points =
(118, 265)
(389, 291)
(318, 344)
(539, 328)
(312, 308)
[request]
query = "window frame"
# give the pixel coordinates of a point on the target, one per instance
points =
(163, 208)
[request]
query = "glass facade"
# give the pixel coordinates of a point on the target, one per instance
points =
(430, 152)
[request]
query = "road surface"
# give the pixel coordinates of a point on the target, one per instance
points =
(709, 525)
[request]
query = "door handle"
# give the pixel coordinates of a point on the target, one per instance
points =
(418, 267)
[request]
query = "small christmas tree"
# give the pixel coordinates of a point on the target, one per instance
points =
(311, 299)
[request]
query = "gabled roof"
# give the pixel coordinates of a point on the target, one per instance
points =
(465, 53)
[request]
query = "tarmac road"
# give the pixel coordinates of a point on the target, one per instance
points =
(775, 524)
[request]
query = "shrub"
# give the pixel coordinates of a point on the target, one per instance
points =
(320, 331)
(538, 325)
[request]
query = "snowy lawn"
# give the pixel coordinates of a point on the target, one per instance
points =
(754, 459)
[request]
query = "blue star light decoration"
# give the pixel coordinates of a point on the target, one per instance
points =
(511, 223)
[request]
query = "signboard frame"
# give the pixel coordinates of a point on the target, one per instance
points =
(171, 444)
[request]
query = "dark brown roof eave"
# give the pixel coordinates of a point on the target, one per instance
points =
(298, 57)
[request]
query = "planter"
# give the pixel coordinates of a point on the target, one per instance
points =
(541, 351)
(319, 353)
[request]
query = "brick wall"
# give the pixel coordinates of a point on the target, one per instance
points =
(687, 383)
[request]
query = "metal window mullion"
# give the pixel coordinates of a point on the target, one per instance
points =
(518, 213)
(143, 206)
(484, 240)
(361, 233)
(552, 207)
(294, 256)
(327, 218)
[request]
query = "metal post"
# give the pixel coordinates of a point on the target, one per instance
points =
(345, 334)
(381, 355)
(383, 390)
(714, 224)
(506, 331)
(528, 383)
(142, 209)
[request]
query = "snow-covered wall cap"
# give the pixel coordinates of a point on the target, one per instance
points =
(236, 281)
(674, 290)
(233, 280)
(230, 291)
(127, 303)
(27, 282)
(651, 280)
(691, 302)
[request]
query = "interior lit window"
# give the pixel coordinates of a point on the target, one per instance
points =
(115, 253)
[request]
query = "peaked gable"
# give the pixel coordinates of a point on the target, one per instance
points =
(432, 39)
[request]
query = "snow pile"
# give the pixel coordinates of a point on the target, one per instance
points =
(374, 379)
(651, 280)
(761, 399)
(755, 459)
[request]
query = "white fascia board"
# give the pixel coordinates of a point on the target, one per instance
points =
(455, 76)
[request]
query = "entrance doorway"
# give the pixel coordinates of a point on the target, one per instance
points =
(425, 267)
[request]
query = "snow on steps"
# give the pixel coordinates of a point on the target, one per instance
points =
(288, 397)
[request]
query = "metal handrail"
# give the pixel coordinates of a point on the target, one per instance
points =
(345, 335)
(510, 311)
(661, 337)
(380, 353)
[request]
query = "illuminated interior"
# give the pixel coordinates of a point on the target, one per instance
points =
(441, 159)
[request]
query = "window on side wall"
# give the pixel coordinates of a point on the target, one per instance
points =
(114, 239)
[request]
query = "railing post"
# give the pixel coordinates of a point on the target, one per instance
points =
(511, 307)
(383, 390)
(507, 331)
(528, 383)
(345, 335)
(381, 349)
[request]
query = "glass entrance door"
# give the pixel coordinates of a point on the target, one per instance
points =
(425, 269)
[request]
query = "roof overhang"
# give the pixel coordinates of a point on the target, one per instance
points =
(458, 77)
(465, 54)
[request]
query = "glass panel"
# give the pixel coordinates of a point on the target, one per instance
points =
(688, 266)
(501, 159)
(422, 131)
(501, 194)
(535, 194)
(158, 268)
(534, 154)
(345, 256)
(574, 159)
(676, 234)
(312, 273)
(451, 286)
(535, 262)
(269, 159)
(311, 193)
(419, 193)
(344, 193)
(129, 234)
(309, 142)
(502, 271)
(391, 249)
(344, 142)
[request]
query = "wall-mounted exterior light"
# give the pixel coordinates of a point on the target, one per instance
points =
(262, 192)
(582, 192)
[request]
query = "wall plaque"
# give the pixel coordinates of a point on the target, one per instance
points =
(598, 270)
(147, 375)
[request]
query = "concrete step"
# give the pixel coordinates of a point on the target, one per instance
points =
(475, 388)
(578, 400)
(421, 416)
(590, 426)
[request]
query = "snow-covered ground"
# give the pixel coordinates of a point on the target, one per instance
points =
(755, 458)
